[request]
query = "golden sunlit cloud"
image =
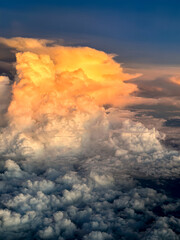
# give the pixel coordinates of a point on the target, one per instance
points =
(60, 80)
(175, 80)
(59, 92)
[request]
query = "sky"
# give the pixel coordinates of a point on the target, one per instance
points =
(138, 31)
(89, 120)
(144, 35)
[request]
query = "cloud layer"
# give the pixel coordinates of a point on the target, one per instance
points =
(92, 195)
(72, 168)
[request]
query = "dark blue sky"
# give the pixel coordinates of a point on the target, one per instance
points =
(137, 30)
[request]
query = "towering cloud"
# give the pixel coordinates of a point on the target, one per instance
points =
(58, 90)
(66, 76)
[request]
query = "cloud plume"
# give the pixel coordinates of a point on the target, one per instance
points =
(59, 89)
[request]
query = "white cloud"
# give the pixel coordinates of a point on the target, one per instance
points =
(76, 206)
(92, 194)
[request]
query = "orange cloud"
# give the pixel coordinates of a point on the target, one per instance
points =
(61, 81)
(175, 80)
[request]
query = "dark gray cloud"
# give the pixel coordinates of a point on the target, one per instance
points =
(7, 58)
(172, 123)
(5, 97)
(157, 88)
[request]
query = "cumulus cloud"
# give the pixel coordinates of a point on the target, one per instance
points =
(68, 205)
(60, 92)
(94, 196)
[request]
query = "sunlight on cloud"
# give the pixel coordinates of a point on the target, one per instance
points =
(59, 89)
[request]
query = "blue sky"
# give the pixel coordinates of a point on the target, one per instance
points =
(138, 31)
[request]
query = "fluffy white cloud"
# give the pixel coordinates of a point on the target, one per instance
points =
(92, 193)
(62, 204)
